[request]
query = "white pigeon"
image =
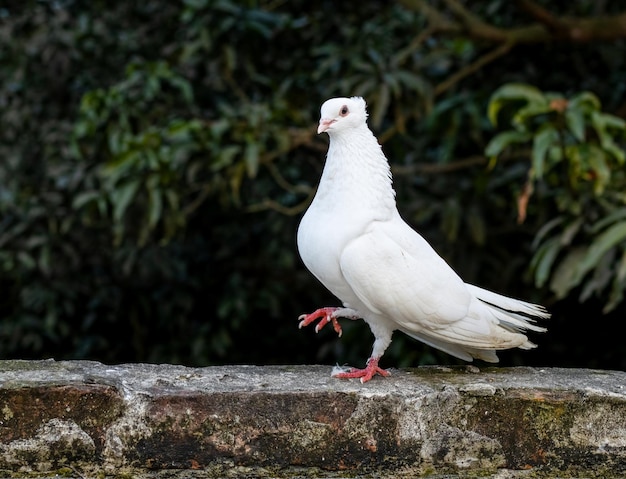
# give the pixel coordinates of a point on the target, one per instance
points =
(354, 241)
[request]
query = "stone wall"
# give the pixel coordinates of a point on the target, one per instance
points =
(85, 419)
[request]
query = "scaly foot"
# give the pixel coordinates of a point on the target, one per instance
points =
(365, 374)
(327, 315)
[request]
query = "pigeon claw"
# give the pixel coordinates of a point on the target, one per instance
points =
(325, 315)
(364, 374)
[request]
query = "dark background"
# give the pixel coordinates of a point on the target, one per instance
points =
(156, 156)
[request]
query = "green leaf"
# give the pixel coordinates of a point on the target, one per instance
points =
(570, 231)
(621, 268)
(117, 140)
(122, 198)
(564, 276)
(616, 151)
(44, 260)
(477, 228)
(502, 140)
(543, 260)
(602, 123)
(83, 198)
(545, 229)
(184, 86)
(575, 121)
(598, 163)
(251, 158)
(524, 114)
(381, 106)
(451, 219)
(119, 166)
(585, 101)
(615, 216)
(414, 82)
(616, 296)
(27, 260)
(607, 120)
(542, 141)
(225, 157)
(519, 91)
(601, 277)
(155, 202)
(179, 130)
(512, 92)
(611, 237)
(219, 127)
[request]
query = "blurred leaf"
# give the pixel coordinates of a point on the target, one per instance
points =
(564, 275)
(477, 227)
(543, 260)
(614, 217)
(513, 92)
(600, 277)
(575, 121)
(26, 259)
(571, 231)
(381, 106)
(251, 158)
(83, 198)
(546, 229)
(502, 140)
(155, 203)
(585, 101)
(601, 170)
(122, 198)
(451, 219)
(225, 157)
(542, 141)
(528, 113)
(606, 240)
(602, 124)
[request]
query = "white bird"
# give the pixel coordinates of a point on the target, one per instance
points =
(355, 243)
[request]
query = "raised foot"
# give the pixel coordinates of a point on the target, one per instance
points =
(365, 374)
(325, 315)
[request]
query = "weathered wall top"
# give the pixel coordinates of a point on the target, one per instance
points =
(87, 419)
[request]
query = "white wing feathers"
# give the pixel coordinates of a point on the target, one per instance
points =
(403, 283)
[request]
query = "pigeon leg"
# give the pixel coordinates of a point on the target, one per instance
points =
(327, 315)
(365, 374)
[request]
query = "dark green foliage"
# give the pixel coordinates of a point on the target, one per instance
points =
(155, 158)
(575, 150)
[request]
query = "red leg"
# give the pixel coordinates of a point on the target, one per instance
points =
(325, 315)
(365, 374)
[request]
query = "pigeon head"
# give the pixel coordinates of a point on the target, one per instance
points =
(340, 114)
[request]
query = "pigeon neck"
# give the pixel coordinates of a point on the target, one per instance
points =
(357, 171)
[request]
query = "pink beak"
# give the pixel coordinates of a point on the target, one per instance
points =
(324, 125)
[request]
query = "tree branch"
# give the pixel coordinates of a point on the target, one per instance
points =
(540, 14)
(473, 67)
(435, 169)
(269, 204)
(457, 165)
(435, 18)
(475, 24)
(547, 27)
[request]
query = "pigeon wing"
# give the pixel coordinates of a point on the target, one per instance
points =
(396, 273)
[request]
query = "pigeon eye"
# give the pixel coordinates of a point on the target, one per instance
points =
(344, 111)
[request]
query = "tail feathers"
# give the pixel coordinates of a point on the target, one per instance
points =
(514, 314)
(495, 322)
(460, 351)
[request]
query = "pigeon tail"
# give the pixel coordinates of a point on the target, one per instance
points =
(513, 314)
